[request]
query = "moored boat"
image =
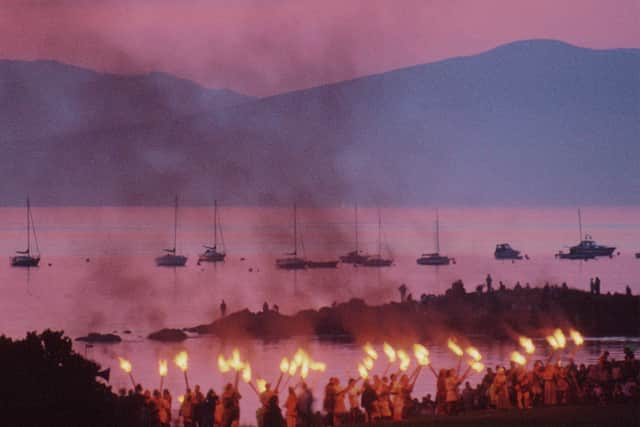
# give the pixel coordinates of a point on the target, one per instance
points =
(587, 248)
(505, 251)
(292, 261)
(171, 258)
(26, 258)
(211, 253)
(435, 258)
(356, 256)
(378, 260)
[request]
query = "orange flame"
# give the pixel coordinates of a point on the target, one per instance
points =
(162, 368)
(390, 352)
(477, 366)
(125, 365)
(182, 360)
(284, 365)
(474, 353)
(368, 348)
(261, 385)
(422, 354)
(405, 361)
(368, 363)
(304, 369)
(364, 374)
(560, 338)
(454, 347)
(235, 362)
(553, 342)
(181, 398)
(318, 366)
(223, 365)
(293, 367)
(576, 337)
(246, 373)
(518, 358)
(527, 344)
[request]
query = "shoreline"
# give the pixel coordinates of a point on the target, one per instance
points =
(501, 315)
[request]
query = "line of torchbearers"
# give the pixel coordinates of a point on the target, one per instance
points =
(385, 393)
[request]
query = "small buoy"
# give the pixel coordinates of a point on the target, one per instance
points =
(87, 260)
(242, 259)
(49, 264)
(251, 270)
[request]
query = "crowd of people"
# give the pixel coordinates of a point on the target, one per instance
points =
(382, 398)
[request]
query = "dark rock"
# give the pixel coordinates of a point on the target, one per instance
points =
(95, 337)
(168, 335)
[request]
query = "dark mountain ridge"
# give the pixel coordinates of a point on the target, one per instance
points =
(531, 122)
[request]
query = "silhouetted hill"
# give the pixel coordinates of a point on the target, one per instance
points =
(531, 122)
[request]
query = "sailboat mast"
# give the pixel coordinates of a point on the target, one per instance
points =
(28, 226)
(355, 225)
(215, 223)
(437, 232)
(175, 223)
(379, 233)
(580, 224)
(295, 230)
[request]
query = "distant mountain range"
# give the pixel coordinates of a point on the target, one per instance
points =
(532, 122)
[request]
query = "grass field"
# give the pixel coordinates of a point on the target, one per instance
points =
(562, 416)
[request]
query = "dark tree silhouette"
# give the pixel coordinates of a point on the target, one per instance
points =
(44, 382)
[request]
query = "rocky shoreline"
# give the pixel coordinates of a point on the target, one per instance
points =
(499, 315)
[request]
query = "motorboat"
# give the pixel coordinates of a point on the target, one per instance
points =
(505, 251)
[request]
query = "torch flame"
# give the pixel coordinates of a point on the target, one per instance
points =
(368, 363)
(390, 352)
(576, 337)
(454, 347)
(422, 354)
(552, 342)
(477, 366)
(293, 367)
(560, 338)
(368, 348)
(162, 368)
(261, 385)
(304, 369)
(527, 344)
(318, 366)
(364, 374)
(236, 362)
(284, 365)
(125, 365)
(246, 373)
(223, 365)
(300, 356)
(182, 360)
(181, 398)
(405, 361)
(518, 358)
(474, 353)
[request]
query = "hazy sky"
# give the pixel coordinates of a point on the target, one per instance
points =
(262, 47)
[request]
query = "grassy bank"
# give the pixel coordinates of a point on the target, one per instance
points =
(565, 416)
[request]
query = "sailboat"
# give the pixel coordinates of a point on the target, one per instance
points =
(211, 253)
(25, 258)
(292, 261)
(171, 258)
(587, 248)
(377, 260)
(355, 256)
(435, 258)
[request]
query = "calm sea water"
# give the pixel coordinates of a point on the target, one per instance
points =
(97, 274)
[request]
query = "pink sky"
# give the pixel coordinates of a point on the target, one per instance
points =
(262, 47)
